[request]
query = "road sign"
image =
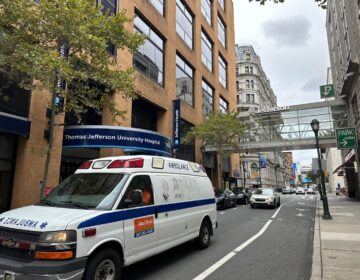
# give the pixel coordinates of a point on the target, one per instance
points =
(346, 138)
(327, 91)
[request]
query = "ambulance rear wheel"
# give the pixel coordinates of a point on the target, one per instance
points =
(203, 240)
(105, 265)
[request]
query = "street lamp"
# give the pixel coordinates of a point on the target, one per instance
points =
(315, 125)
(244, 173)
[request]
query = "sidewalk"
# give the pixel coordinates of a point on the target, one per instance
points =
(336, 251)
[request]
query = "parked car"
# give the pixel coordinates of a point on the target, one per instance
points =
(242, 195)
(225, 199)
(265, 197)
(286, 190)
(300, 190)
(310, 191)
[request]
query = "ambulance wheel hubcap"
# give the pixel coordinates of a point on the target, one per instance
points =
(205, 235)
(105, 271)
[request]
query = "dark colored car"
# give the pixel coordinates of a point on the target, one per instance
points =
(242, 195)
(225, 199)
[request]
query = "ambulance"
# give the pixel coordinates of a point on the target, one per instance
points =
(111, 213)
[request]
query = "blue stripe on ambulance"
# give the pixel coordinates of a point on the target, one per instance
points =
(128, 214)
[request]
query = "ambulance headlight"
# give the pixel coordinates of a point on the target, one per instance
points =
(66, 236)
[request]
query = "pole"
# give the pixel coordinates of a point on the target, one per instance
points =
(326, 214)
(244, 173)
(260, 171)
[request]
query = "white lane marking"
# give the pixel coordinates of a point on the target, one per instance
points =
(301, 203)
(223, 260)
(235, 208)
(302, 210)
(311, 197)
(222, 213)
(343, 236)
(299, 215)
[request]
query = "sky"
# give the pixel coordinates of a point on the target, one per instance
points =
(290, 39)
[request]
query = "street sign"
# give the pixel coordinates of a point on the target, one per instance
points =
(346, 138)
(327, 91)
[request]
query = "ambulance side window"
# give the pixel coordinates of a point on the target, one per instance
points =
(140, 183)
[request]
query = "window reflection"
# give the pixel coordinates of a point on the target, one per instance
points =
(149, 58)
(208, 98)
(222, 72)
(206, 10)
(184, 81)
(206, 51)
(184, 23)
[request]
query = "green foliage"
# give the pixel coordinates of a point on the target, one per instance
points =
(321, 3)
(32, 32)
(310, 175)
(220, 130)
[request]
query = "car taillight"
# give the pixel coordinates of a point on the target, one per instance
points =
(86, 165)
(129, 163)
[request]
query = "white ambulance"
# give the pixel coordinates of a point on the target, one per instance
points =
(111, 213)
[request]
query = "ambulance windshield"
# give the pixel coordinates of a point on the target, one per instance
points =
(87, 191)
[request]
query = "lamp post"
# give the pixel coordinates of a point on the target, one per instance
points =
(315, 125)
(244, 173)
(260, 182)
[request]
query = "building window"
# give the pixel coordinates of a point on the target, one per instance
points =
(184, 81)
(149, 58)
(247, 98)
(222, 72)
(208, 98)
(247, 84)
(252, 83)
(237, 85)
(221, 32)
(184, 23)
(224, 105)
(238, 99)
(222, 4)
(251, 70)
(108, 6)
(206, 51)
(246, 69)
(247, 56)
(237, 70)
(206, 10)
(253, 98)
(159, 5)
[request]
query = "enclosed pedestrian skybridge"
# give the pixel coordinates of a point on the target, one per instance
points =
(288, 128)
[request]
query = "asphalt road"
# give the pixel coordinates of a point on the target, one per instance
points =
(249, 244)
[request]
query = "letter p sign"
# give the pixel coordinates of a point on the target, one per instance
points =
(327, 91)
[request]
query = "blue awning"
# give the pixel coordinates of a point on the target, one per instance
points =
(14, 124)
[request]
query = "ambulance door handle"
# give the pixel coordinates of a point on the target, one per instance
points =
(156, 212)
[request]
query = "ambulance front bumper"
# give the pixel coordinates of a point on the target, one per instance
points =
(41, 270)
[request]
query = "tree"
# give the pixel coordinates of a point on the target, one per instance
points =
(310, 175)
(220, 130)
(52, 43)
(321, 3)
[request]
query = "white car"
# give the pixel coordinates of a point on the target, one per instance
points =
(300, 190)
(265, 197)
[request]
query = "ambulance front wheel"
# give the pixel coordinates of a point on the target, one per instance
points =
(106, 264)
(203, 240)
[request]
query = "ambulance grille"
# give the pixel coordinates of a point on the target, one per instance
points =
(19, 235)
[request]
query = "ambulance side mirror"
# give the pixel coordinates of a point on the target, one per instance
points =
(135, 198)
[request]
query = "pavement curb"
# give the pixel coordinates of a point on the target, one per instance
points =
(316, 270)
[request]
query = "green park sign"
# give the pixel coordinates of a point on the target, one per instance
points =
(346, 138)
(327, 91)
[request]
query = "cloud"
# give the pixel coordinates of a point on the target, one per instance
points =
(313, 84)
(291, 32)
